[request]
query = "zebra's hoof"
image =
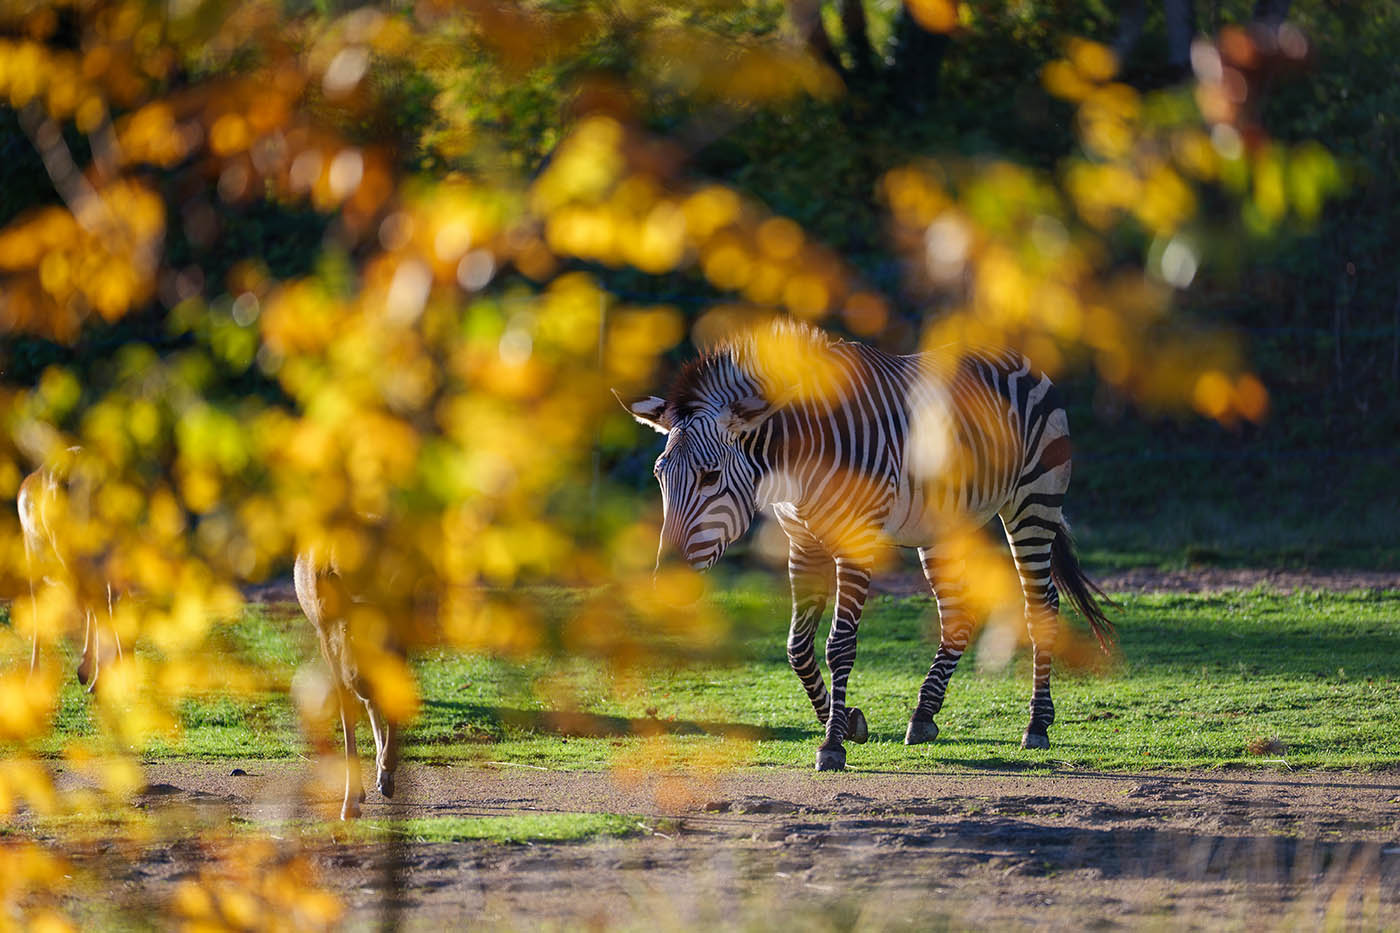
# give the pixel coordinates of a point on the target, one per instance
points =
(1035, 740)
(831, 759)
(920, 732)
(857, 729)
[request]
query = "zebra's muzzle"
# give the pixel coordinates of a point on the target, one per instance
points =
(698, 560)
(704, 557)
(678, 584)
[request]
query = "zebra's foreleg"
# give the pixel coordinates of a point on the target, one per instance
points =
(852, 586)
(945, 578)
(811, 575)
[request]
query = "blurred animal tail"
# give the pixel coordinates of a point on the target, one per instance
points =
(1071, 580)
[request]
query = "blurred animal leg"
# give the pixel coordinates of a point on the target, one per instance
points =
(112, 623)
(354, 786)
(33, 604)
(87, 664)
(386, 751)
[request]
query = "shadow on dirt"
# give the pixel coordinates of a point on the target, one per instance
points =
(1141, 785)
(859, 849)
(1029, 848)
(488, 723)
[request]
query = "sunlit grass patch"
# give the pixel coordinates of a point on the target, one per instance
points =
(80, 826)
(516, 828)
(1195, 680)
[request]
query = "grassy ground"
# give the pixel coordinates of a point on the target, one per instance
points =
(1215, 500)
(520, 827)
(1196, 681)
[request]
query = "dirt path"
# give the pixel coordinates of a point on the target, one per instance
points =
(797, 850)
(793, 849)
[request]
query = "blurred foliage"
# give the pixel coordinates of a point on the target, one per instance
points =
(277, 280)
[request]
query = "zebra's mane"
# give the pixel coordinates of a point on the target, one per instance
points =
(742, 365)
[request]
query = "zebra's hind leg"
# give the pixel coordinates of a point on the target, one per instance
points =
(944, 573)
(1030, 547)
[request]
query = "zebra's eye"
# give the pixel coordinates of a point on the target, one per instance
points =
(709, 477)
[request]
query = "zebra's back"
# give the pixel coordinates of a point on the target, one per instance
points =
(972, 428)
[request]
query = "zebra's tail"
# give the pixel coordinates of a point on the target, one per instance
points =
(1071, 580)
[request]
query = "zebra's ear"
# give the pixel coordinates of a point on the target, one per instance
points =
(650, 411)
(745, 414)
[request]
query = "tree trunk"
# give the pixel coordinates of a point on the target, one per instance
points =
(1130, 23)
(858, 38)
(1180, 18)
(806, 16)
(918, 57)
(1271, 12)
(1181, 29)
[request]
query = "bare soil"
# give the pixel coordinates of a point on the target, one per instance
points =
(761, 849)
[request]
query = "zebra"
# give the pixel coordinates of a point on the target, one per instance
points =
(854, 449)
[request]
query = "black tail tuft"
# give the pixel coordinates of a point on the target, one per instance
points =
(1071, 580)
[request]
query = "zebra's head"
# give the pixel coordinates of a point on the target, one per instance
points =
(708, 478)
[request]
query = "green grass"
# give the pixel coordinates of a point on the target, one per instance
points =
(516, 828)
(1192, 520)
(1197, 678)
(510, 828)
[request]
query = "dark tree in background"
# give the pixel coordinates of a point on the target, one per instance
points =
(917, 48)
(1181, 27)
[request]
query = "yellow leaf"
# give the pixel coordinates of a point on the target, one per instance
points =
(933, 15)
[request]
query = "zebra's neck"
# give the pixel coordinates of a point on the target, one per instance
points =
(775, 483)
(857, 426)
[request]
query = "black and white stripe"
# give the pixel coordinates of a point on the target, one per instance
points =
(857, 451)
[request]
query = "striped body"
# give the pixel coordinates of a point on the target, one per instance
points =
(854, 450)
(905, 452)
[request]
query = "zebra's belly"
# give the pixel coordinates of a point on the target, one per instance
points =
(920, 513)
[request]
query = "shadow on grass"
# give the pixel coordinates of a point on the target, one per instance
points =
(579, 724)
(1367, 650)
